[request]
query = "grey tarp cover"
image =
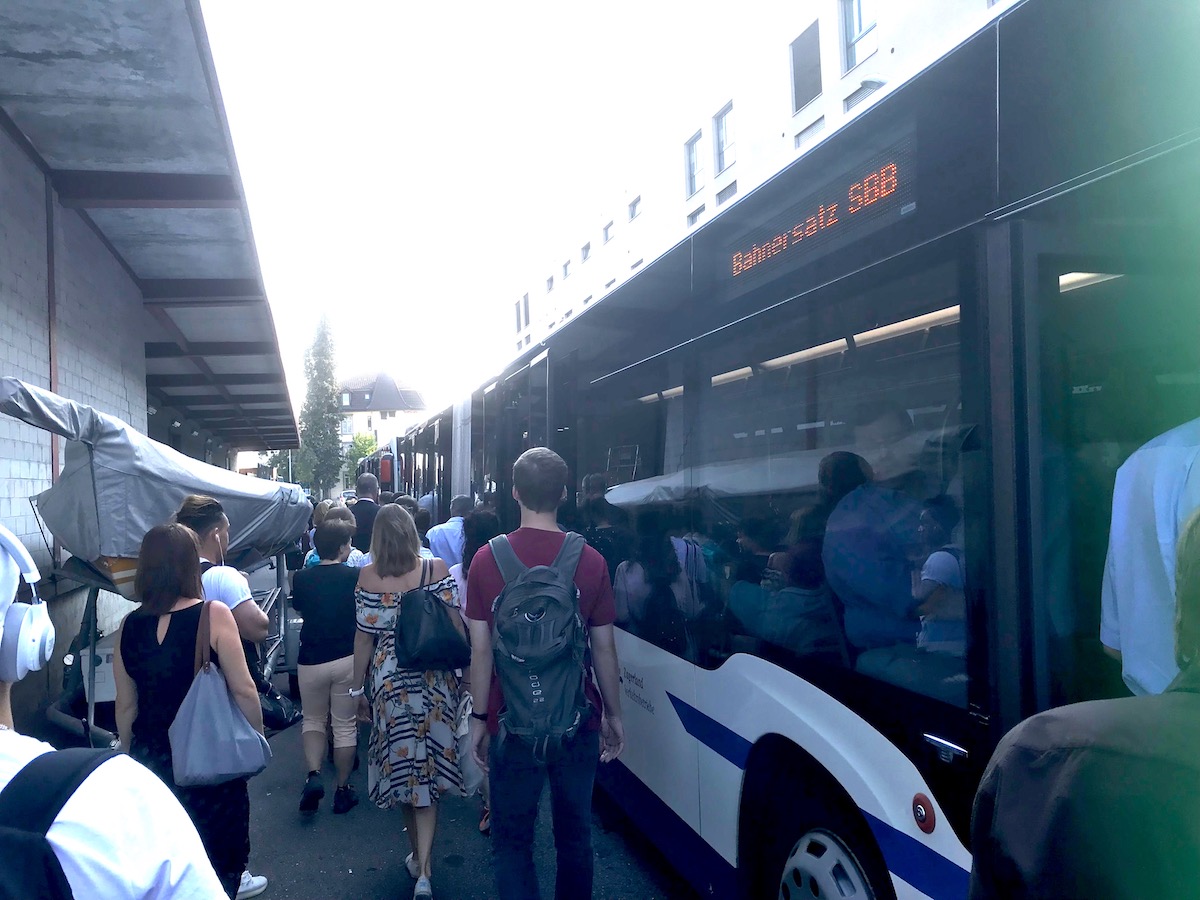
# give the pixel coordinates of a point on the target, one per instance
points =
(116, 483)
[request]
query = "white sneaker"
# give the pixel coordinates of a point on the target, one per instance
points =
(410, 863)
(251, 886)
(423, 890)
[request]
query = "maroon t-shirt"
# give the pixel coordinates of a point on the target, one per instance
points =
(535, 547)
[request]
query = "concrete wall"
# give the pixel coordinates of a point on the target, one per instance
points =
(99, 359)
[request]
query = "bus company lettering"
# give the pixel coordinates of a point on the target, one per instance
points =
(633, 687)
(860, 195)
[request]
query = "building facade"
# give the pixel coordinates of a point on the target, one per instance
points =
(800, 74)
(378, 405)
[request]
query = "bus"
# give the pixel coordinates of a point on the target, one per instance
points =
(976, 299)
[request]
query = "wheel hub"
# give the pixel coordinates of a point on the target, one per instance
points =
(821, 866)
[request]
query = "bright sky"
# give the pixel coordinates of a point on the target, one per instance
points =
(409, 166)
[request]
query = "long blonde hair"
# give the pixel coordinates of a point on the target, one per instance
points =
(1187, 593)
(395, 547)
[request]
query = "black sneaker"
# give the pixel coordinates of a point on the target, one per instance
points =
(313, 791)
(344, 800)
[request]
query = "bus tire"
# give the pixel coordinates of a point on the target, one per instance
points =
(802, 836)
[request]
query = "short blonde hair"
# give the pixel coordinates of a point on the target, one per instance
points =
(395, 547)
(1187, 593)
(321, 511)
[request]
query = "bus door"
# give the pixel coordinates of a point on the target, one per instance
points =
(1109, 290)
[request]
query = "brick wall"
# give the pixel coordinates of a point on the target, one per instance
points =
(100, 361)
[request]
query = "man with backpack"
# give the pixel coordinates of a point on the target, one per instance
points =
(80, 823)
(540, 609)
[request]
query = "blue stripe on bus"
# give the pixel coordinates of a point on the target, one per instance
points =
(690, 855)
(712, 733)
(921, 866)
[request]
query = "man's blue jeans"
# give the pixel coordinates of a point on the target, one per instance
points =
(517, 781)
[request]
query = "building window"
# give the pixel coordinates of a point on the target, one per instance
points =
(610, 284)
(608, 232)
(727, 193)
(692, 175)
(861, 94)
(549, 284)
(806, 67)
(636, 264)
(368, 423)
(366, 398)
(807, 134)
(858, 31)
(345, 399)
(567, 269)
(525, 302)
(694, 215)
(722, 139)
(518, 315)
(528, 338)
(585, 251)
(635, 207)
(587, 299)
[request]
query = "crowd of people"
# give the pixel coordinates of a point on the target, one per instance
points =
(866, 575)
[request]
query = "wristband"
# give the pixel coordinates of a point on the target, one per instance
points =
(482, 717)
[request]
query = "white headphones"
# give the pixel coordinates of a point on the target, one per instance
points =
(26, 632)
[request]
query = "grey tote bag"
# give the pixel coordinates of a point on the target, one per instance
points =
(211, 741)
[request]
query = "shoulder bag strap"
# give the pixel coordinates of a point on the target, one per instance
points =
(567, 560)
(203, 640)
(36, 795)
(425, 567)
(507, 562)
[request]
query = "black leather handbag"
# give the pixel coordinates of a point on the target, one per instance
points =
(426, 635)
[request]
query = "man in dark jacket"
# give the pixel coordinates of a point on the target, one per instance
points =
(1101, 799)
(365, 510)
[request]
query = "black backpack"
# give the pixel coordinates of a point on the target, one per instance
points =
(540, 646)
(29, 804)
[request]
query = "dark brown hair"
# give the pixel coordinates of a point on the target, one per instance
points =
(395, 547)
(540, 477)
(168, 568)
(331, 536)
(200, 513)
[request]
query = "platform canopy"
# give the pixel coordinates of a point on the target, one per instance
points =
(117, 102)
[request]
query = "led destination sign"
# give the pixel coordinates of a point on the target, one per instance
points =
(865, 199)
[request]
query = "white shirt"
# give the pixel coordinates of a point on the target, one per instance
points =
(446, 541)
(122, 834)
(1156, 491)
(225, 583)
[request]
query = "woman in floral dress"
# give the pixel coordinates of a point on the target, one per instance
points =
(412, 758)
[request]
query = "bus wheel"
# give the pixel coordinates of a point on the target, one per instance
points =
(821, 865)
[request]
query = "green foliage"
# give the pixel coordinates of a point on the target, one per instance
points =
(319, 461)
(362, 446)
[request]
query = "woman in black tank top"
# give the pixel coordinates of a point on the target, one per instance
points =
(154, 666)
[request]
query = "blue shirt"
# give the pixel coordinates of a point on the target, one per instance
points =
(870, 542)
(446, 541)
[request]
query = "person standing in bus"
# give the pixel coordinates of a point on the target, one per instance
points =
(1157, 488)
(1101, 799)
(517, 776)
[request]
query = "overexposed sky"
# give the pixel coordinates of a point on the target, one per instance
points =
(409, 167)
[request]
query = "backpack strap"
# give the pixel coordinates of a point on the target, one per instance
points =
(36, 795)
(569, 554)
(507, 562)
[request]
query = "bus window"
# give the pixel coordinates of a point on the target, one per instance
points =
(1120, 369)
(799, 494)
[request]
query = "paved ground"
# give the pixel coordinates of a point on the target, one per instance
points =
(361, 854)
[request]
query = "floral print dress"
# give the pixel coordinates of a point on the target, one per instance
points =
(412, 756)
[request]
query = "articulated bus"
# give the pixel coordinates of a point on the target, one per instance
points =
(979, 296)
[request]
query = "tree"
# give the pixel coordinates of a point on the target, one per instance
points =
(362, 446)
(319, 461)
